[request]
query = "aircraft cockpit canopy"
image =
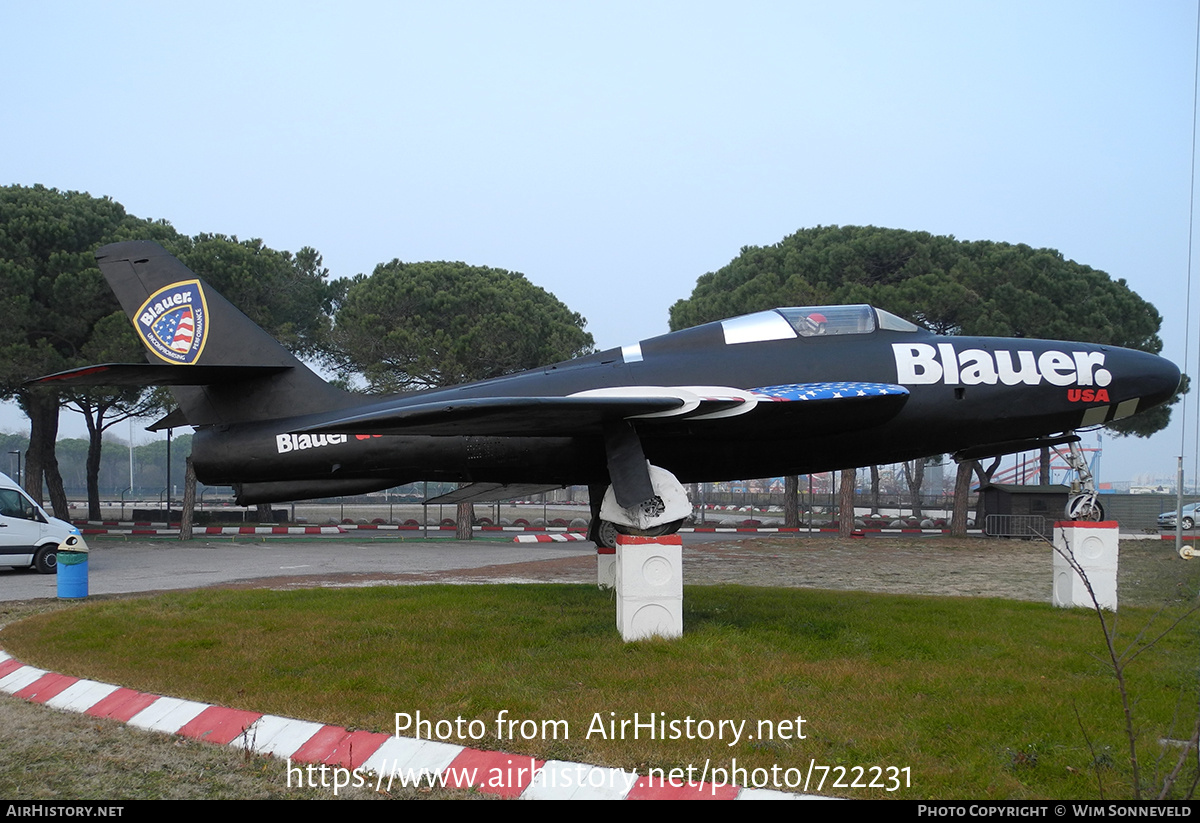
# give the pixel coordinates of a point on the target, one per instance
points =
(812, 321)
(859, 319)
(891, 322)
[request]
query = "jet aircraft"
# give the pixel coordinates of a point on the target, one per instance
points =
(788, 391)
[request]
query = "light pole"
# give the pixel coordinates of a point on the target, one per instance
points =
(169, 433)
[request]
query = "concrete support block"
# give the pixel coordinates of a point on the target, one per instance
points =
(1095, 548)
(649, 580)
(606, 568)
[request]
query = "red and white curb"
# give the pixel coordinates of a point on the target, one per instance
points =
(568, 537)
(164, 531)
(802, 530)
(301, 741)
(528, 534)
(573, 536)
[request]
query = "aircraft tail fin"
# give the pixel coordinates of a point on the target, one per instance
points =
(185, 325)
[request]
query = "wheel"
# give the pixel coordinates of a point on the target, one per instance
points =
(653, 531)
(608, 534)
(610, 530)
(1084, 507)
(664, 529)
(46, 560)
(1188, 523)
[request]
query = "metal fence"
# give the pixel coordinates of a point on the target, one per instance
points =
(1015, 525)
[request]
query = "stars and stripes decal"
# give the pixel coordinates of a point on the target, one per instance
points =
(173, 322)
(719, 402)
(827, 391)
(176, 330)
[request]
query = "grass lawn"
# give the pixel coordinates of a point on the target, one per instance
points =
(977, 698)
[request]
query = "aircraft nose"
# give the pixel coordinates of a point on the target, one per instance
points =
(1141, 380)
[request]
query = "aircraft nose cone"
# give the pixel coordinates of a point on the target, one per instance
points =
(1149, 378)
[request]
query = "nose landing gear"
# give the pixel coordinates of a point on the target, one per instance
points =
(1082, 504)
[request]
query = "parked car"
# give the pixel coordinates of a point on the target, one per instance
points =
(29, 536)
(1166, 520)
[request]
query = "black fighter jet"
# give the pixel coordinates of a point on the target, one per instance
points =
(788, 391)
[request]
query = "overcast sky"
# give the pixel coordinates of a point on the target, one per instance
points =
(613, 152)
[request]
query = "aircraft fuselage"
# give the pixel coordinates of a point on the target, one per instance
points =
(962, 392)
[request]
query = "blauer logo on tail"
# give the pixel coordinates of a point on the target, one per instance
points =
(173, 322)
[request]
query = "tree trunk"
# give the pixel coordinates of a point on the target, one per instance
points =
(54, 485)
(93, 467)
(962, 493)
(985, 479)
(874, 490)
(595, 498)
(791, 501)
(42, 426)
(914, 474)
(849, 479)
(189, 501)
(464, 520)
(1044, 477)
(41, 464)
(263, 513)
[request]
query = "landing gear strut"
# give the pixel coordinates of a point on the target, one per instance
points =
(1082, 504)
(643, 499)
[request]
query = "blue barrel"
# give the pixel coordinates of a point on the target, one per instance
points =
(72, 574)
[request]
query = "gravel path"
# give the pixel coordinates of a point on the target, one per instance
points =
(973, 567)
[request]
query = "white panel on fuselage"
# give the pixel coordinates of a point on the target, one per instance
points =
(754, 328)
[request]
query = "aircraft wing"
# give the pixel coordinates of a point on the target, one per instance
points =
(155, 374)
(491, 492)
(831, 406)
(495, 416)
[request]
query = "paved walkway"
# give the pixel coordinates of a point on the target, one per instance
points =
(120, 567)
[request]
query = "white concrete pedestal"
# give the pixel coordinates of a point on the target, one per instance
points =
(1095, 548)
(649, 580)
(606, 568)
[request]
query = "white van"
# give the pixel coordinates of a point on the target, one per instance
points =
(29, 536)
